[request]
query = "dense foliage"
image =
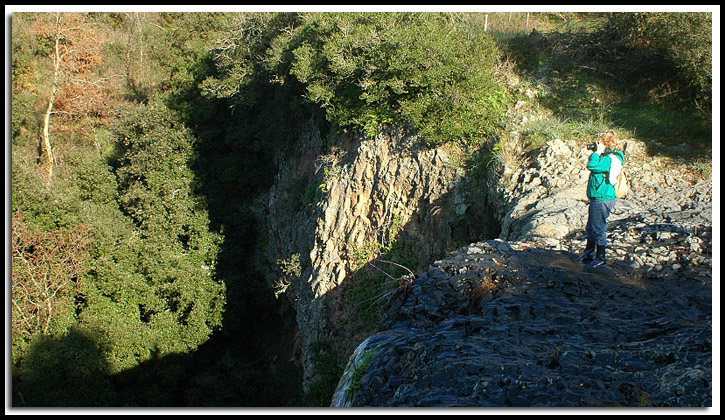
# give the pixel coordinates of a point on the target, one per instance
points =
(370, 69)
(683, 38)
(118, 234)
(140, 142)
(373, 69)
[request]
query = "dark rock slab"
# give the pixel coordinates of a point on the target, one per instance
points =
(547, 334)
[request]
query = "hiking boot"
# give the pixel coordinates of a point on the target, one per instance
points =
(596, 264)
(599, 260)
(588, 254)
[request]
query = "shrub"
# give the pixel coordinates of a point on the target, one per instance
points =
(371, 69)
(685, 38)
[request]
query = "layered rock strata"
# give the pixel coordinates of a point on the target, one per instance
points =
(332, 204)
(513, 322)
(501, 324)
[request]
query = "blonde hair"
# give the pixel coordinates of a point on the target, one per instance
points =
(610, 140)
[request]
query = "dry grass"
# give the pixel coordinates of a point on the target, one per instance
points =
(477, 294)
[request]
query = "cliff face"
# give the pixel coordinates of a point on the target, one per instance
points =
(514, 322)
(337, 201)
(335, 205)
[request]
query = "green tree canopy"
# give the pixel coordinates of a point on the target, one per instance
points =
(157, 191)
(685, 38)
(370, 69)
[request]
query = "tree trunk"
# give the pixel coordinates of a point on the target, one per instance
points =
(51, 100)
(568, 19)
(46, 136)
(140, 48)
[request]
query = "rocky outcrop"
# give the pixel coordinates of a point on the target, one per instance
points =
(547, 199)
(500, 324)
(664, 223)
(338, 198)
(513, 322)
(336, 202)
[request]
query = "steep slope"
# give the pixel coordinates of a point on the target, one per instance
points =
(335, 207)
(513, 322)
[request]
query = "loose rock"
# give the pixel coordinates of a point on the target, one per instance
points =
(547, 333)
(513, 322)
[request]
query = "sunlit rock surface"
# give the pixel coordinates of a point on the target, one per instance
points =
(513, 322)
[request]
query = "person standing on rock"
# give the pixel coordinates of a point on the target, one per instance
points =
(600, 191)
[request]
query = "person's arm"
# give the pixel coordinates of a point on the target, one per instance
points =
(598, 163)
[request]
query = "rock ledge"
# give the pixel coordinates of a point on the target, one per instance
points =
(501, 324)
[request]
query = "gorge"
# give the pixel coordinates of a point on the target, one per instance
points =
(498, 321)
(303, 209)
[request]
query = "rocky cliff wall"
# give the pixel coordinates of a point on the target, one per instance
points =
(337, 201)
(513, 322)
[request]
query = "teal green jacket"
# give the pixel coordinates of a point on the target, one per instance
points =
(598, 187)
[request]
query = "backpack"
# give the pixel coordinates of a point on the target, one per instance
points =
(621, 186)
(620, 181)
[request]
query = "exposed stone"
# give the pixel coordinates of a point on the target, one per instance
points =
(638, 333)
(548, 333)
(353, 196)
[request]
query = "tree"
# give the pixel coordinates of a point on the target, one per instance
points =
(178, 298)
(76, 89)
(48, 269)
(683, 37)
(116, 264)
(370, 69)
(127, 255)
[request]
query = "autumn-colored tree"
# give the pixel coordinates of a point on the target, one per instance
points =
(77, 89)
(48, 267)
